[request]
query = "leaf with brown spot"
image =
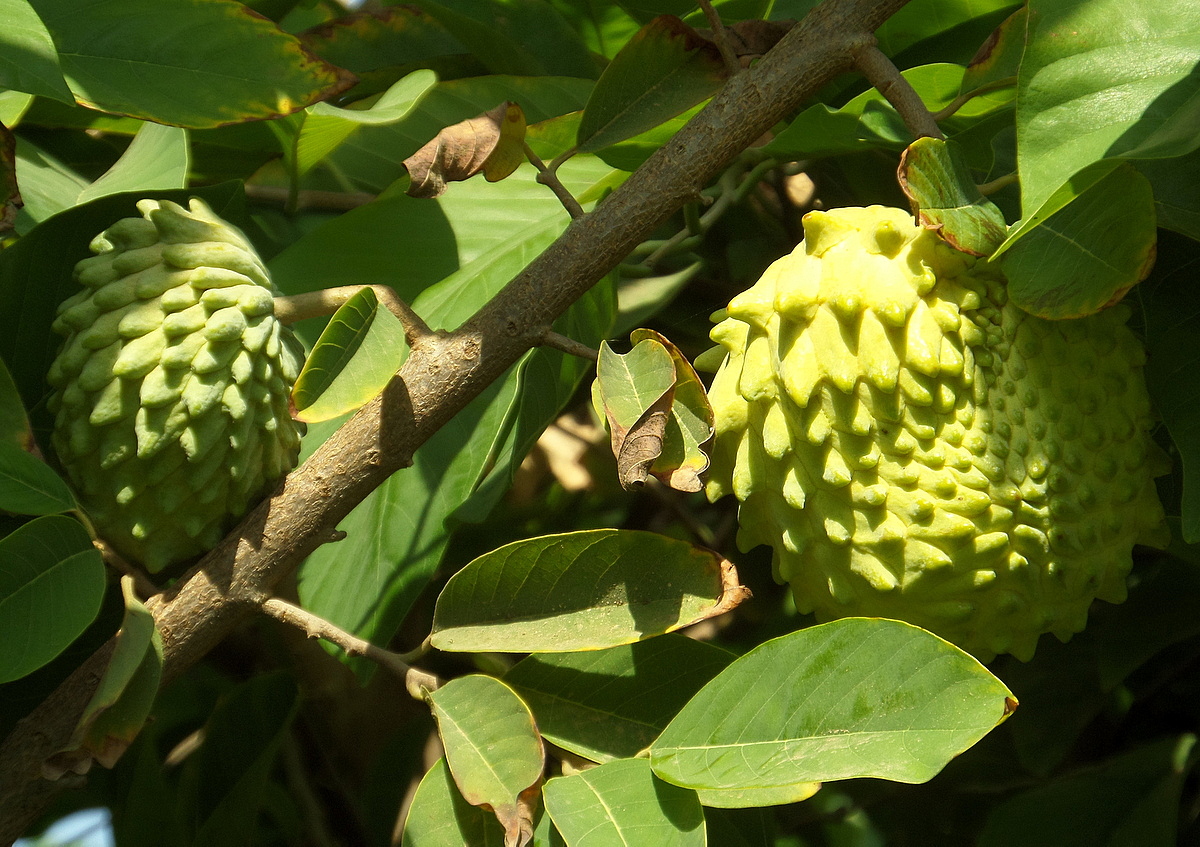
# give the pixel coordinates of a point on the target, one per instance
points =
(934, 175)
(460, 151)
(633, 393)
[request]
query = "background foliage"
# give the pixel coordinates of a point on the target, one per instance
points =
(574, 712)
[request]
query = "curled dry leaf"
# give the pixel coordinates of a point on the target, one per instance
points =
(491, 143)
(733, 593)
(641, 446)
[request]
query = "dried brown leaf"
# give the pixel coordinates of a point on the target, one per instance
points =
(460, 151)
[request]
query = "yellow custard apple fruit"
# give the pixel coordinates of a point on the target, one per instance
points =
(915, 446)
(171, 401)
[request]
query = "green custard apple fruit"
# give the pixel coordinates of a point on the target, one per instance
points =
(915, 446)
(171, 400)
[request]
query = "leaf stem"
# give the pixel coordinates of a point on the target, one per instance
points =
(885, 76)
(315, 304)
(962, 99)
(998, 183)
(550, 338)
(721, 37)
(548, 176)
(417, 681)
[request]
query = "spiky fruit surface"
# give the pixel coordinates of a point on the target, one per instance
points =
(914, 446)
(171, 409)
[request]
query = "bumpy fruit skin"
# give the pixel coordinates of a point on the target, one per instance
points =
(914, 446)
(172, 385)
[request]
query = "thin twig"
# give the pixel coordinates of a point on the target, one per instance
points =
(568, 345)
(963, 99)
(886, 77)
(721, 37)
(998, 183)
(417, 681)
(548, 176)
(315, 304)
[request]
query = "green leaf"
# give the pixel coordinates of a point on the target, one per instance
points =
(999, 59)
(28, 486)
(633, 393)
(36, 275)
(1176, 201)
(14, 424)
(1102, 80)
(325, 127)
(523, 37)
(665, 69)
(935, 177)
(749, 798)
(47, 185)
(440, 817)
(689, 426)
(609, 704)
(156, 160)
(30, 60)
(193, 63)
(357, 355)
(51, 585)
(1130, 799)
(232, 769)
(492, 745)
(623, 802)
(1088, 255)
(111, 723)
(581, 591)
(124, 688)
(861, 697)
(459, 251)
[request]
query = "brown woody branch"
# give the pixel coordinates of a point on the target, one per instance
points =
(441, 376)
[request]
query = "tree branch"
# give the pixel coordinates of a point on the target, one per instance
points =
(441, 378)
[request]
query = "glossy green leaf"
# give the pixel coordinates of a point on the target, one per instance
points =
(156, 160)
(47, 185)
(750, 798)
(325, 127)
(662, 71)
(28, 486)
(358, 353)
(30, 61)
(1130, 799)
(14, 424)
(51, 585)
(862, 697)
(458, 252)
(946, 23)
(690, 425)
(580, 591)
(13, 105)
(524, 37)
(440, 817)
(640, 298)
(35, 276)
(230, 774)
(136, 57)
(935, 177)
(119, 708)
(623, 802)
(1089, 254)
(1102, 80)
(609, 704)
(492, 745)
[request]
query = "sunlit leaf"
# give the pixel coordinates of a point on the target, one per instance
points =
(156, 160)
(934, 176)
(51, 585)
(634, 392)
(623, 802)
(862, 697)
(136, 57)
(440, 817)
(999, 58)
(358, 353)
(492, 746)
(37, 70)
(1088, 255)
(581, 591)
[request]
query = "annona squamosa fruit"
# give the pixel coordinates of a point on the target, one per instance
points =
(171, 401)
(914, 446)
